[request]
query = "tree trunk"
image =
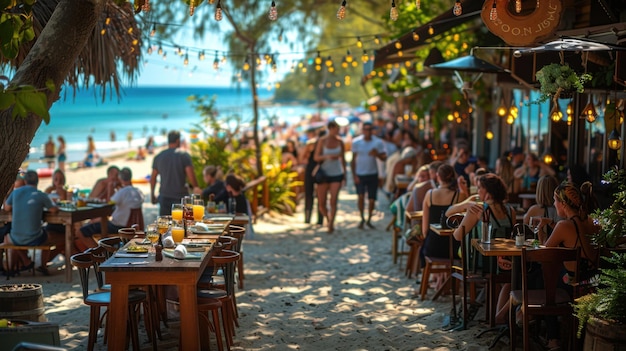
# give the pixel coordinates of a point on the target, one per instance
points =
(50, 60)
(255, 110)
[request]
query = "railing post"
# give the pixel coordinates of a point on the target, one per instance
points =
(266, 195)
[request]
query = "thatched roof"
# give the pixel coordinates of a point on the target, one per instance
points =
(115, 44)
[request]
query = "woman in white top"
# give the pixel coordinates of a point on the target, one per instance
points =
(329, 153)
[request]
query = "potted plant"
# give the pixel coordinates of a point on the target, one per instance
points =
(555, 79)
(604, 311)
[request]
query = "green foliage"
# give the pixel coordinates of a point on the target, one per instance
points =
(281, 180)
(16, 26)
(612, 220)
(556, 78)
(608, 301)
(24, 100)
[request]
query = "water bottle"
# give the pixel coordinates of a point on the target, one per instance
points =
(232, 205)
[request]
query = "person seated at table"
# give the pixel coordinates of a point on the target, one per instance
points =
(532, 170)
(435, 204)
(416, 197)
(544, 208)
(213, 176)
(57, 189)
(27, 205)
(6, 226)
(125, 199)
(575, 230)
(106, 187)
(234, 190)
(491, 205)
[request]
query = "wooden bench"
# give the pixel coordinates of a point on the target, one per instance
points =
(6, 247)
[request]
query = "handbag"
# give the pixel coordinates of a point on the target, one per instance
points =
(319, 176)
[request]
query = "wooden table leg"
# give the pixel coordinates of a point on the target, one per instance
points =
(118, 315)
(189, 338)
(69, 236)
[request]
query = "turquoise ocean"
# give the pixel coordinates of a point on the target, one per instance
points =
(144, 112)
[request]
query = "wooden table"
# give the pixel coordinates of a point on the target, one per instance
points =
(68, 218)
(237, 219)
(497, 247)
(121, 274)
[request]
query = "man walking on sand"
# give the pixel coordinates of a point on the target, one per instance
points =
(365, 150)
(175, 167)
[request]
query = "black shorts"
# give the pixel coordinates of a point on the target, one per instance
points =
(369, 183)
(334, 179)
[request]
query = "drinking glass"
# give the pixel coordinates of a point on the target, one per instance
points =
(535, 225)
(163, 224)
(178, 232)
(198, 209)
(152, 233)
(187, 202)
(177, 212)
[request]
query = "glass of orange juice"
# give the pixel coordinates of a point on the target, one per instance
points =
(198, 209)
(177, 212)
(178, 232)
(163, 224)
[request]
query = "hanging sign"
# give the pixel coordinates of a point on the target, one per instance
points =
(523, 30)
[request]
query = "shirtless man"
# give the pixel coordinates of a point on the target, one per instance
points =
(106, 187)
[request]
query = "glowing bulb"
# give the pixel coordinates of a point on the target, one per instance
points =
(246, 65)
(318, 59)
(160, 51)
(218, 11)
(186, 60)
(518, 6)
(393, 13)
(431, 30)
(349, 57)
(510, 119)
(365, 57)
(416, 36)
(273, 14)
(398, 45)
(555, 114)
(359, 43)
(457, 10)
(493, 14)
(489, 135)
(615, 141)
(216, 63)
(377, 40)
(341, 13)
(547, 158)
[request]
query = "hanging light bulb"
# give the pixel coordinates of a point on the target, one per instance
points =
(160, 51)
(186, 60)
(418, 4)
(589, 112)
(489, 135)
(341, 13)
(518, 6)
(365, 57)
(457, 10)
(192, 7)
(431, 30)
(377, 40)
(556, 115)
(218, 11)
(493, 14)
(329, 61)
(615, 141)
(246, 65)
(416, 36)
(398, 45)
(547, 157)
(149, 49)
(216, 63)
(318, 59)
(393, 13)
(201, 55)
(349, 57)
(153, 31)
(146, 6)
(273, 14)
(359, 43)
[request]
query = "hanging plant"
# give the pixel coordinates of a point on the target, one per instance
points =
(555, 79)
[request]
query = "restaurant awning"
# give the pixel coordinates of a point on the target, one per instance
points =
(440, 24)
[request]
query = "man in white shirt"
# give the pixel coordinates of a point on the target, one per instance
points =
(365, 151)
(126, 199)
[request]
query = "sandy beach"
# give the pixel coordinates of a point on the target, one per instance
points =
(304, 289)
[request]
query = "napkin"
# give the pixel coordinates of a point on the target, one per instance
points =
(180, 252)
(168, 242)
(199, 226)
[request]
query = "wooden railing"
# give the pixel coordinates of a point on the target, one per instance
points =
(259, 203)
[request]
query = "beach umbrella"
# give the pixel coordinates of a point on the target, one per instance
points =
(115, 42)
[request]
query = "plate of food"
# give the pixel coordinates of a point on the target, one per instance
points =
(136, 249)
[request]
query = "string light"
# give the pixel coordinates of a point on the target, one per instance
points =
(318, 59)
(416, 36)
(216, 63)
(153, 31)
(359, 43)
(556, 115)
(377, 40)
(341, 13)
(365, 57)
(431, 30)
(186, 60)
(218, 11)
(201, 55)
(589, 112)
(393, 13)
(398, 45)
(160, 51)
(246, 64)
(457, 10)
(273, 14)
(518, 6)
(349, 58)
(493, 14)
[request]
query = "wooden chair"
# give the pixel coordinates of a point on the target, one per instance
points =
(96, 301)
(461, 271)
(238, 233)
(136, 218)
(549, 300)
(111, 244)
